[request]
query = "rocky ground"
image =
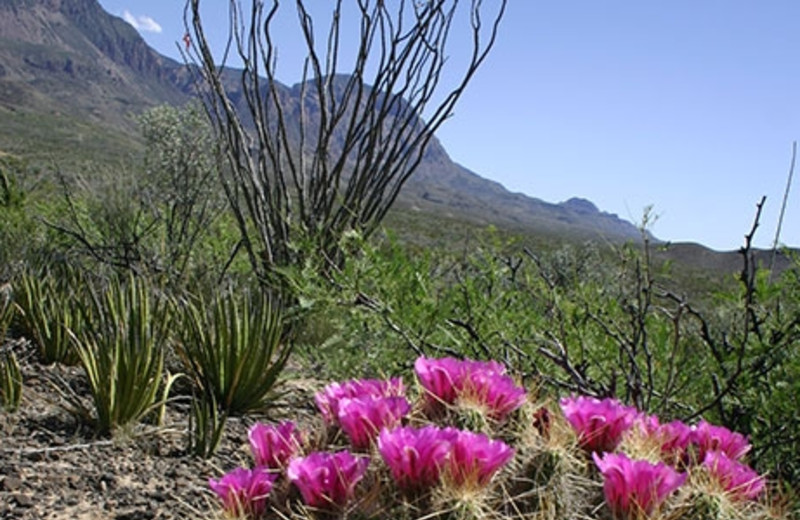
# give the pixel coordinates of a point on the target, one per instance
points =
(53, 465)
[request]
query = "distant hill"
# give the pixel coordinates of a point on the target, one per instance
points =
(73, 77)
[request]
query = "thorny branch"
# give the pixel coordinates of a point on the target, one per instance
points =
(331, 154)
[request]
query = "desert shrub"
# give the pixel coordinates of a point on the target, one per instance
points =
(159, 215)
(578, 319)
(49, 306)
(10, 382)
(234, 348)
(121, 348)
(18, 228)
(6, 309)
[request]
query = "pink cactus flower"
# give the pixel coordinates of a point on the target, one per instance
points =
(675, 438)
(498, 393)
(273, 446)
(599, 423)
(441, 378)
(362, 418)
(709, 437)
(244, 492)
(648, 425)
(484, 383)
(635, 488)
(475, 458)
(327, 480)
(485, 367)
(328, 399)
(416, 456)
(738, 479)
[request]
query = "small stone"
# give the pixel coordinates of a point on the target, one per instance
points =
(36, 456)
(24, 501)
(11, 484)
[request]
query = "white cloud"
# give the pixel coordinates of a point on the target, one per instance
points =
(141, 23)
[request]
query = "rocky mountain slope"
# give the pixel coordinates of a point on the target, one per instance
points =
(73, 76)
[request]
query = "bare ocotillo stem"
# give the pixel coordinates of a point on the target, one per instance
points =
(307, 166)
(783, 208)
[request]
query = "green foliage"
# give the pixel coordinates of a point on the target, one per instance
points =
(10, 382)
(160, 216)
(206, 426)
(234, 349)
(758, 348)
(16, 225)
(180, 181)
(578, 319)
(50, 312)
(121, 348)
(6, 310)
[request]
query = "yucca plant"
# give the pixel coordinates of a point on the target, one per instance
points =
(121, 349)
(233, 348)
(10, 382)
(206, 426)
(49, 310)
(6, 309)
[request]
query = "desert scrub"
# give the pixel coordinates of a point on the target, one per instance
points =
(540, 461)
(50, 310)
(234, 348)
(121, 348)
(10, 382)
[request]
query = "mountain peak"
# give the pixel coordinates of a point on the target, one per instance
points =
(70, 57)
(580, 205)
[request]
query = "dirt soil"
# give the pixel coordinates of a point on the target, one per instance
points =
(54, 466)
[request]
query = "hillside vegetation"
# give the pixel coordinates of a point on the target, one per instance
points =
(240, 308)
(148, 251)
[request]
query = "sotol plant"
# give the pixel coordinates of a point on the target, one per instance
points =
(233, 348)
(49, 311)
(6, 309)
(121, 349)
(10, 382)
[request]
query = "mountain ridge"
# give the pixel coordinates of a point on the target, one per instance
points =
(72, 57)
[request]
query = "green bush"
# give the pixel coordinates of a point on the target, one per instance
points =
(577, 319)
(10, 382)
(121, 348)
(17, 225)
(6, 309)
(49, 312)
(234, 349)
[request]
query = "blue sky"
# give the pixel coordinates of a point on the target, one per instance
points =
(687, 106)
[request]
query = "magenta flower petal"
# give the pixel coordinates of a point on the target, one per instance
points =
(738, 479)
(441, 378)
(484, 367)
(709, 437)
(599, 423)
(273, 446)
(498, 393)
(675, 438)
(635, 487)
(244, 492)
(416, 456)
(328, 399)
(485, 383)
(362, 418)
(325, 479)
(648, 425)
(475, 458)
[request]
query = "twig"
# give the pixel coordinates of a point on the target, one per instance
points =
(71, 447)
(783, 209)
